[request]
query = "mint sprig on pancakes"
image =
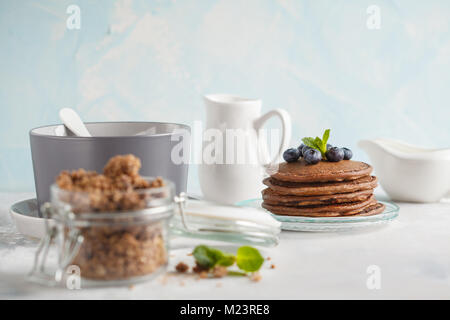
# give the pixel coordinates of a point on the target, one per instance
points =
(317, 143)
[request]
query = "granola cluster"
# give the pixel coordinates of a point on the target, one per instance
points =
(117, 248)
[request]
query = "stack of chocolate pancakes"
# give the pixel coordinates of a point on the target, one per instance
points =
(326, 189)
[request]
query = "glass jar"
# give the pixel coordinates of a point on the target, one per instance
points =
(104, 245)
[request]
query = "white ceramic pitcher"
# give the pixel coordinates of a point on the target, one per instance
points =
(236, 171)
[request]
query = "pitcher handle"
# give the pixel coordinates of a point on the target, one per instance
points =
(285, 134)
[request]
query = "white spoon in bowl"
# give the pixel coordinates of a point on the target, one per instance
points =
(72, 120)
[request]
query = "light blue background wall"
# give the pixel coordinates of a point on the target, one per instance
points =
(151, 60)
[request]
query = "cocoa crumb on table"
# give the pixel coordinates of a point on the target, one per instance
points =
(163, 280)
(256, 276)
(220, 271)
(198, 268)
(182, 267)
(272, 266)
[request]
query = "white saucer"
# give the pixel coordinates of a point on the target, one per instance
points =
(26, 217)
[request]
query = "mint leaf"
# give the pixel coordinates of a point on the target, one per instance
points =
(226, 260)
(320, 146)
(249, 259)
(310, 142)
(207, 257)
(325, 137)
(318, 143)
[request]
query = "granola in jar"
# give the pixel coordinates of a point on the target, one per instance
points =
(112, 211)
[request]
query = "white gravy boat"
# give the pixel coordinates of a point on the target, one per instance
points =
(410, 173)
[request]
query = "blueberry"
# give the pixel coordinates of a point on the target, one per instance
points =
(329, 146)
(335, 154)
(291, 155)
(348, 154)
(312, 156)
(304, 149)
(300, 148)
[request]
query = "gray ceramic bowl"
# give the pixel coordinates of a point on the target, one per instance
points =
(53, 149)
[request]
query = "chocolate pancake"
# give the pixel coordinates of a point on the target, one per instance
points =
(340, 207)
(371, 209)
(325, 188)
(323, 171)
(271, 197)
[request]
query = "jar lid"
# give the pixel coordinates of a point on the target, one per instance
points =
(204, 220)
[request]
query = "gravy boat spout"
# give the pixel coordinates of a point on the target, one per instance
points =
(407, 172)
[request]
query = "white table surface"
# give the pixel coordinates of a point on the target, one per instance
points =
(412, 252)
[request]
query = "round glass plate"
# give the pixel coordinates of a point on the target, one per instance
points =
(331, 224)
